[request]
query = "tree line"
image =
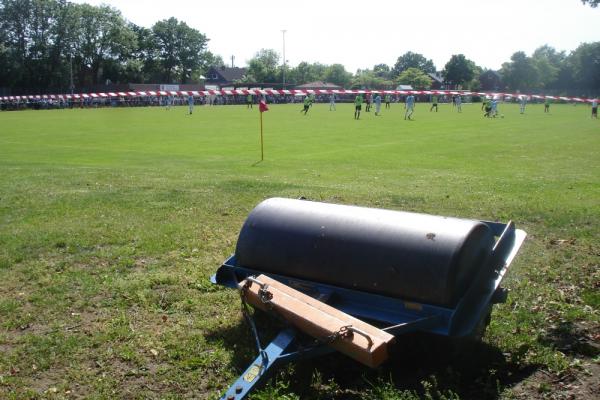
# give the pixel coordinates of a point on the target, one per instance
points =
(547, 69)
(43, 43)
(55, 45)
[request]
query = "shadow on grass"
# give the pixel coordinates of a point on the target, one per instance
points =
(571, 339)
(240, 338)
(469, 370)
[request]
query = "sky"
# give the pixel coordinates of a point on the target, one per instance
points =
(362, 33)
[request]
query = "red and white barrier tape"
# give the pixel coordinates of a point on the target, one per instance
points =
(272, 92)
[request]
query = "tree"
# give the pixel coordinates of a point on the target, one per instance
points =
(32, 38)
(414, 77)
(143, 64)
(181, 49)
(521, 72)
(585, 61)
(337, 74)
(382, 71)
(548, 63)
(413, 60)
(459, 70)
(213, 60)
(367, 79)
(40, 39)
(306, 72)
(592, 3)
(101, 40)
(263, 67)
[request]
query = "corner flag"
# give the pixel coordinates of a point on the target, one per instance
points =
(262, 106)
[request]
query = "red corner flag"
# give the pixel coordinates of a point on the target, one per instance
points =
(262, 106)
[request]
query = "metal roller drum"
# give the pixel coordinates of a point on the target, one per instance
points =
(419, 257)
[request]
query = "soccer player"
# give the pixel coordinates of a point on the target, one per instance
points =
(312, 99)
(191, 103)
(494, 108)
(377, 104)
(487, 104)
(547, 105)
(249, 101)
(522, 104)
(307, 104)
(357, 106)
(459, 103)
(434, 103)
(332, 102)
(368, 102)
(387, 100)
(595, 108)
(410, 106)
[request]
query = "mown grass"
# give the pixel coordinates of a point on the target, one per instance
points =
(112, 221)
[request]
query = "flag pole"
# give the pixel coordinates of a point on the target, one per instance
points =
(261, 138)
(262, 107)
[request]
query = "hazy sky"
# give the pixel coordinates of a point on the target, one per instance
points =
(360, 34)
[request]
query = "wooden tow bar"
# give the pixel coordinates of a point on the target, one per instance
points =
(325, 269)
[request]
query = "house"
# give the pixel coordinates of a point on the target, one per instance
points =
(491, 80)
(224, 76)
(404, 87)
(437, 81)
(318, 85)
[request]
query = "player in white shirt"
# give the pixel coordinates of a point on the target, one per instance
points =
(523, 103)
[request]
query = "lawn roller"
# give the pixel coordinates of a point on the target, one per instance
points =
(351, 279)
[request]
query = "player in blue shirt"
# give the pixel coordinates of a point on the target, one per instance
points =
(377, 104)
(410, 106)
(191, 103)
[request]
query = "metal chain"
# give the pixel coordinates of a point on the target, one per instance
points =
(344, 332)
(250, 320)
(265, 296)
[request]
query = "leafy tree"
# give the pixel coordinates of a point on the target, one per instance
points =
(263, 67)
(306, 72)
(459, 70)
(413, 60)
(585, 61)
(367, 79)
(181, 49)
(337, 74)
(548, 62)
(143, 64)
(521, 72)
(101, 41)
(414, 77)
(382, 71)
(213, 60)
(32, 35)
(592, 3)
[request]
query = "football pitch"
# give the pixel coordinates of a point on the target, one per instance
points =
(113, 220)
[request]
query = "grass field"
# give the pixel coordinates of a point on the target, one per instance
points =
(113, 220)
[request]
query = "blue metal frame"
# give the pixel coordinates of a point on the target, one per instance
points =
(397, 316)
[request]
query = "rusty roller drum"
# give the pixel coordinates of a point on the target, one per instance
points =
(418, 257)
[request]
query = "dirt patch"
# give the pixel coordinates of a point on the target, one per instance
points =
(572, 385)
